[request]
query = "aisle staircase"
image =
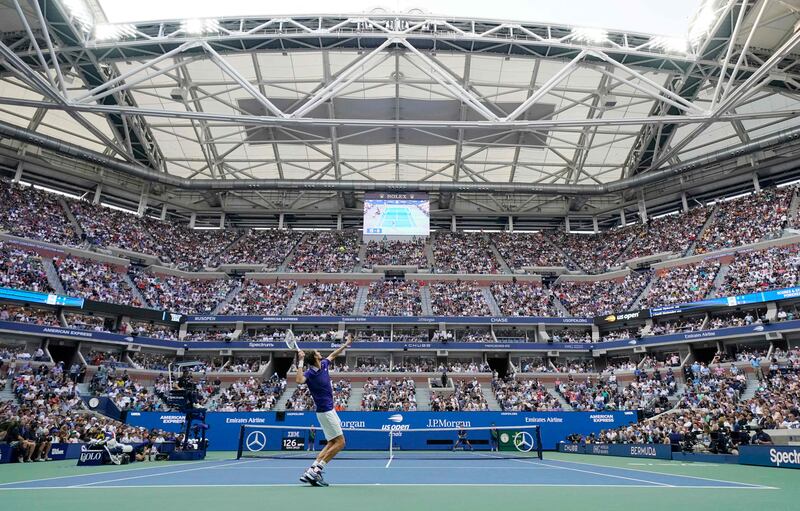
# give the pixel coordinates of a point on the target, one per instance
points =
(425, 296)
(423, 397)
(361, 300)
(429, 251)
(709, 220)
(68, 213)
(504, 267)
(7, 394)
(645, 292)
(489, 297)
(362, 255)
(287, 393)
(224, 303)
(793, 207)
(356, 393)
(293, 301)
(52, 276)
(134, 289)
(719, 280)
(488, 394)
(290, 256)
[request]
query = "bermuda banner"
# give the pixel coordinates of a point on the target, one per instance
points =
(780, 456)
(223, 432)
(655, 451)
(5, 453)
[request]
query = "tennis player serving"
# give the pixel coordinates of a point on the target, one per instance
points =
(318, 379)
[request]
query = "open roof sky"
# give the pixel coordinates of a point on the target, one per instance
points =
(647, 16)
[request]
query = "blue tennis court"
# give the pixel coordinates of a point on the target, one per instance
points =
(396, 218)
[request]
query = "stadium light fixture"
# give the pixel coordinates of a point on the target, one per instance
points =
(671, 44)
(197, 26)
(702, 22)
(80, 12)
(590, 35)
(113, 32)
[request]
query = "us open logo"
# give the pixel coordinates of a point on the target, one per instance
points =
(256, 441)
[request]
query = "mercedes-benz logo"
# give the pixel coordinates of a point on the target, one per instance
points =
(523, 441)
(256, 441)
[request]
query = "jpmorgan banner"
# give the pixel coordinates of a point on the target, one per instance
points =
(223, 432)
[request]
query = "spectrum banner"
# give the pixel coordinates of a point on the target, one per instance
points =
(223, 432)
(780, 456)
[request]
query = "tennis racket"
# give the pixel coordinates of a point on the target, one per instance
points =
(290, 340)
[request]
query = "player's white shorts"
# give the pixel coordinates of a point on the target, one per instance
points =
(330, 423)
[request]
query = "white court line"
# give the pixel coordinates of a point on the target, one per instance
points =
(152, 475)
(389, 462)
(107, 472)
(661, 473)
(488, 485)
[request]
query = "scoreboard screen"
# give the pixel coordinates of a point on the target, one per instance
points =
(397, 214)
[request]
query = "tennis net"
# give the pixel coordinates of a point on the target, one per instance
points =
(293, 442)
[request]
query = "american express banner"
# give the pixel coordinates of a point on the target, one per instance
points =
(223, 432)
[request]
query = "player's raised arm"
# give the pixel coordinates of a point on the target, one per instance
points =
(338, 351)
(299, 377)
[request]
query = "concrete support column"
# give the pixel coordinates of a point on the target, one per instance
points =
(164, 211)
(643, 211)
(339, 222)
(192, 220)
(684, 202)
(756, 183)
(142, 203)
(453, 225)
(622, 217)
(18, 173)
(566, 224)
(98, 194)
(222, 220)
(510, 223)
(594, 225)
(280, 221)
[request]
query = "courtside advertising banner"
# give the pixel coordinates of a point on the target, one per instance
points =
(654, 451)
(779, 456)
(224, 427)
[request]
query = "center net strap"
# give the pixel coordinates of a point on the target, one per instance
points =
(394, 441)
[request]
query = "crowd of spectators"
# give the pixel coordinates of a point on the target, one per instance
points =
(31, 213)
(186, 248)
(301, 397)
(746, 220)
(43, 317)
(394, 298)
(247, 395)
(673, 233)
(326, 251)
(327, 299)
(257, 298)
(524, 250)
(85, 322)
(148, 329)
(152, 361)
(523, 299)
(126, 393)
(210, 335)
(533, 365)
(524, 395)
(677, 326)
(682, 284)
(572, 335)
(601, 297)
(594, 253)
(20, 269)
(760, 270)
(458, 298)
(741, 318)
(266, 248)
(646, 392)
(396, 253)
(95, 280)
(389, 395)
(461, 252)
(108, 227)
(197, 296)
(467, 396)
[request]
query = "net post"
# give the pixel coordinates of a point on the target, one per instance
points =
(539, 441)
(241, 441)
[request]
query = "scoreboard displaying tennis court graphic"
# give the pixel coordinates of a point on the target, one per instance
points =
(396, 214)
